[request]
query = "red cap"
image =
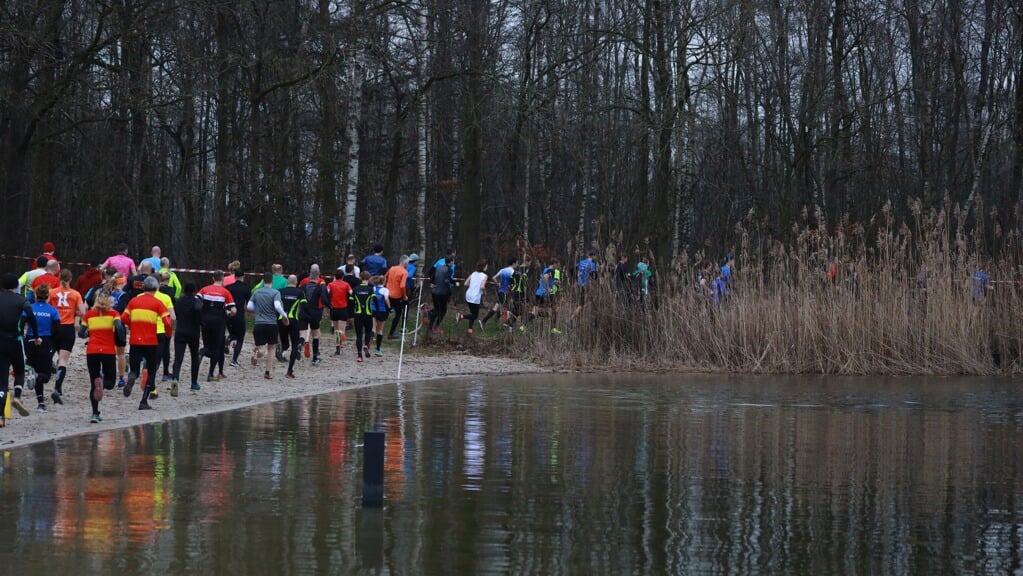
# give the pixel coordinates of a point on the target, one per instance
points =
(49, 247)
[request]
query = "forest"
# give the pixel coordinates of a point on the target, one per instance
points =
(298, 130)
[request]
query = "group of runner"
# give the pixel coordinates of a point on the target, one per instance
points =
(131, 314)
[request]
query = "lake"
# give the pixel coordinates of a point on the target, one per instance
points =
(548, 474)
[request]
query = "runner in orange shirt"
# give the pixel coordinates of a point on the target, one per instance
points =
(394, 281)
(71, 306)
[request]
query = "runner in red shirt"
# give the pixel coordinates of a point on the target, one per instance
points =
(103, 323)
(217, 306)
(141, 316)
(338, 291)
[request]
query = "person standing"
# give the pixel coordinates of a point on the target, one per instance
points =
(474, 287)
(40, 356)
(361, 306)
(292, 299)
(338, 293)
(241, 292)
(71, 306)
(121, 262)
(267, 306)
(104, 324)
(14, 309)
(375, 263)
(217, 306)
(141, 316)
(188, 312)
(395, 281)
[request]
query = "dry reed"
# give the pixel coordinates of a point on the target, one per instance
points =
(900, 302)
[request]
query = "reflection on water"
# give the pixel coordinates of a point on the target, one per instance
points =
(544, 475)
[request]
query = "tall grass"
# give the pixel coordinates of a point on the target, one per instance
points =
(901, 303)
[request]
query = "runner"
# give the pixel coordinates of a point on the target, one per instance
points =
(360, 303)
(375, 263)
(315, 294)
(72, 307)
(26, 279)
(338, 293)
(105, 328)
(172, 280)
(161, 335)
(154, 258)
(441, 292)
(89, 279)
(217, 306)
(49, 276)
(241, 292)
(449, 260)
(48, 252)
(279, 281)
(121, 262)
(587, 269)
(395, 281)
(267, 305)
(141, 316)
(40, 356)
(474, 286)
(623, 278)
(351, 271)
(381, 304)
(503, 279)
(233, 272)
(188, 311)
(520, 290)
(292, 299)
(544, 297)
(13, 310)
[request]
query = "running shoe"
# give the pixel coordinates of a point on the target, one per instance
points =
(365, 350)
(17, 405)
(145, 406)
(392, 337)
(469, 331)
(166, 378)
(174, 389)
(555, 331)
(359, 359)
(154, 394)
(483, 328)
(95, 419)
(255, 360)
(289, 376)
(234, 364)
(316, 362)
(41, 408)
(3, 421)
(202, 352)
(211, 379)
(308, 351)
(337, 351)
(196, 387)
(120, 382)
(377, 352)
(267, 376)
(522, 328)
(56, 396)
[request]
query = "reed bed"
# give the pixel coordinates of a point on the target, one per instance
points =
(901, 302)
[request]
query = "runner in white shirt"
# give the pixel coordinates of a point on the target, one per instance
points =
(474, 287)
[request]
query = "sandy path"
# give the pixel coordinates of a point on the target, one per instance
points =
(243, 386)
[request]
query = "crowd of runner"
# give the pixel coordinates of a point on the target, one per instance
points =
(139, 321)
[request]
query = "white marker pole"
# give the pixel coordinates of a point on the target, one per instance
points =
(419, 307)
(401, 351)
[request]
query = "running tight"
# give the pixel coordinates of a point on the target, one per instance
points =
(363, 332)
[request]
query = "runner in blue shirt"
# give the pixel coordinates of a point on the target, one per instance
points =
(375, 263)
(39, 343)
(503, 279)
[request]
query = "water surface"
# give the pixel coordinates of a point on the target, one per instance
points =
(545, 474)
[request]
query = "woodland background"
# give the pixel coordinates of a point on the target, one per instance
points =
(296, 130)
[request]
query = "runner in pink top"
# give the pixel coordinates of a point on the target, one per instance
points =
(121, 262)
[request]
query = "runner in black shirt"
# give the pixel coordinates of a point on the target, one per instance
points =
(188, 310)
(14, 311)
(236, 324)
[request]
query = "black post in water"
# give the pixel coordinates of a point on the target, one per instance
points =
(373, 469)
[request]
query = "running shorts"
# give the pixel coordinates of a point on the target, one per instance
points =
(64, 337)
(339, 314)
(264, 334)
(381, 316)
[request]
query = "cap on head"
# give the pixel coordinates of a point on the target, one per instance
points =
(151, 284)
(413, 257)
(49, 247)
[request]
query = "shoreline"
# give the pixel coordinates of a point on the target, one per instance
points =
(241, 388)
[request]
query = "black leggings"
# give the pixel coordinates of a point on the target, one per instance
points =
(190, 341)
(164, 352)
(107, 364)
(11, 357)
(294, 336)
(474, 313)
(236, 328)
(213, 342)
(399, 307)
(151, 354)
(440, 308)
(363, 332)
(40, 358)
